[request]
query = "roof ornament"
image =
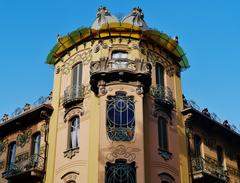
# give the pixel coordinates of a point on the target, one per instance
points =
(136, 17)
(103, 16)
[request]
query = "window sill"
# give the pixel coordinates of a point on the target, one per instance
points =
(70, 153)
(165, 154)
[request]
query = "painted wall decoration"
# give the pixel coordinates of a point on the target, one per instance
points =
(3, 145)
(24, 138)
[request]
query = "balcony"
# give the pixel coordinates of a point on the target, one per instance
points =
(163, 98)
(121, 70)
(207, 171)
(29, 169)
(73, 94)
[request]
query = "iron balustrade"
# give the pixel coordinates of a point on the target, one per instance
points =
(201, 165)
(73, 93)
(34, 162)
(120, 64)
(162, 94)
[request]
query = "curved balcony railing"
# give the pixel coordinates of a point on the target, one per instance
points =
(124, 70)
(163, 95)
(72, 94)
(34, 163)
(202, 166)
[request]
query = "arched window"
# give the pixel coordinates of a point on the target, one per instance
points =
(166, 178)
(11, 155)
(36, 139)
(197, 145)
(77, 80)
(120, 117)
(74, 126)
(159, 75)
(120, 172)
(162, 134)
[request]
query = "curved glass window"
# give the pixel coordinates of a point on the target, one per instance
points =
(120, 117)
(120, 172)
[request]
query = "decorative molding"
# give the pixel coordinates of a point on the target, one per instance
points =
(22, 157)
(43, 129)
(122, 152)
(85, 57)
(74, 111)
(2, 163)
(70, 176)
(3, 145)
(166, 155)
(70, 153)
(24, 138)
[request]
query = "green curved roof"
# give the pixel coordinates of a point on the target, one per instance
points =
(85, 34)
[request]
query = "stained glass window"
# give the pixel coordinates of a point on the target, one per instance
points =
(120, 172)
(74, 133)
(120, 117)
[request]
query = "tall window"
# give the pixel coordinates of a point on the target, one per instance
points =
(197, 145)
(120, 117)
(11, 155)
(159, 75)
(77, 79)
(74, 133)
(220, 155)
(36, 138)
(120, 172)
(162, 134)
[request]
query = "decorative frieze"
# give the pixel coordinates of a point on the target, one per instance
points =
(23, 138)
(3, 145)
(22, 157)
(2, 164)
(85, 57)
(122, 152)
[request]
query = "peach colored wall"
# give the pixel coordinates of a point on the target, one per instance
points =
(33, 128)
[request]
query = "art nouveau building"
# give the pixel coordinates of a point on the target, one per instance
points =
(117, 104)
(116, 115)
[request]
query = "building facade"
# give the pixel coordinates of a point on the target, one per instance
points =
(116, 113)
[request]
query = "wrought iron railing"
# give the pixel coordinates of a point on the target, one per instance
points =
(73, 93)
(120, 64)
(34, 162)
(162, 94)
(201, 165)
(20, 110)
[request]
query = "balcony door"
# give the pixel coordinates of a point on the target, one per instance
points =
(11, 155)
(77, 80)
(159, 75)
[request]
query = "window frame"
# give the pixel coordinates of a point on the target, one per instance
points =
(9, 162)
(163, 140)
(69, 143)
(36, 134)
(197, 146)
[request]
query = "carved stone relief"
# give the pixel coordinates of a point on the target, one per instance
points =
(123, 152)
(3, 146)
(22, 157)
(23, 138)
(2, 164)
(85, 57)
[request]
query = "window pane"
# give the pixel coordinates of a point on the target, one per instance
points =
(74, 133)
(120, 117)
(159, 74)
(119, 54)
(162, 134)
(77, 75)
(36, 143)
(11, 154)
(197, 145)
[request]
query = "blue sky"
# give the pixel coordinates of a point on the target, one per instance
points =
(209, 33)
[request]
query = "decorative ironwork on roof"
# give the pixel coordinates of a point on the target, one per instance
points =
(103, 17)
(136, 18)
